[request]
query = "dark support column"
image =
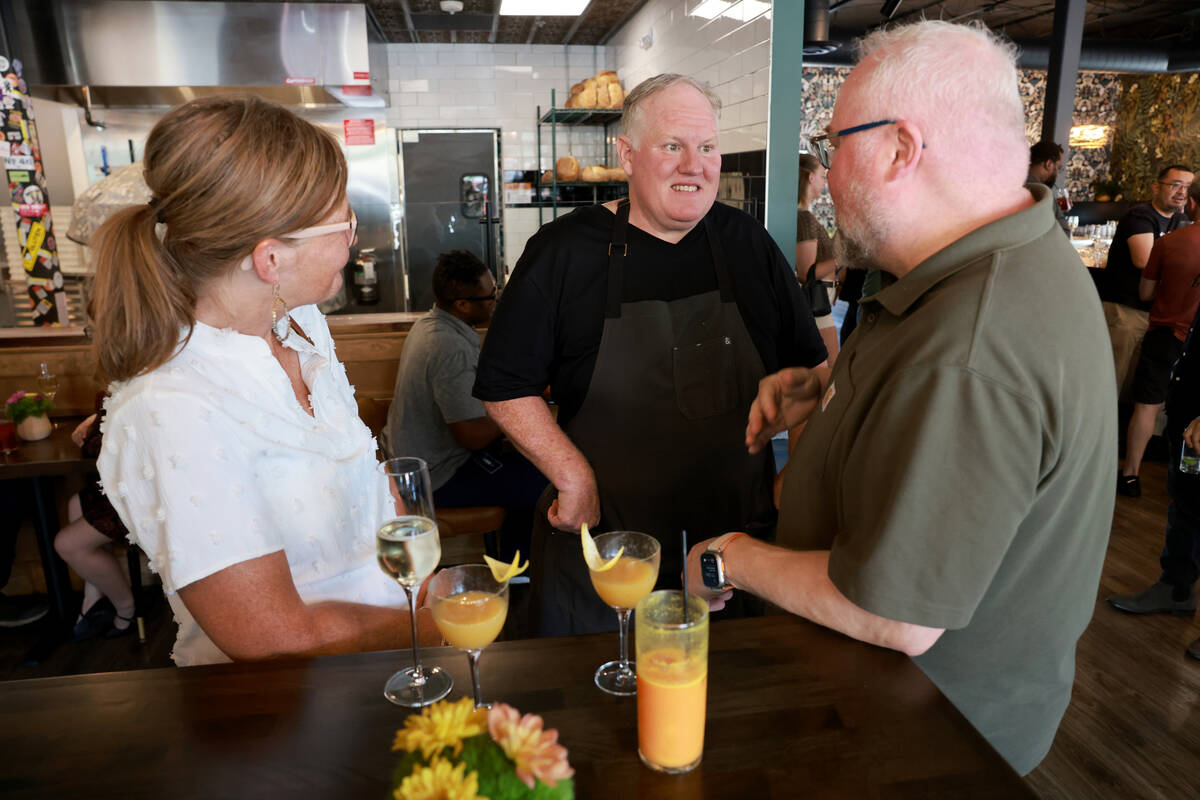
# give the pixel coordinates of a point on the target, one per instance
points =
(783, 123)
(1065, 44)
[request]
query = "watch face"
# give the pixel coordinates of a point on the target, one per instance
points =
(711, 572)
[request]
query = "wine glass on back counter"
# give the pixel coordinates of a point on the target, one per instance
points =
(469, 607)
(623, 569)
(409, 550)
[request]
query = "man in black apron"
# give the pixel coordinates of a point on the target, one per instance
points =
(652, 320)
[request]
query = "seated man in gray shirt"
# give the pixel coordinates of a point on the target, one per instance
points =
(433, 415)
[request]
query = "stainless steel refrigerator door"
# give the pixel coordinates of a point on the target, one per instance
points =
(449, 190)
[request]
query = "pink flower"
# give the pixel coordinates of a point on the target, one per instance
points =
(536, 753)
(17, 395)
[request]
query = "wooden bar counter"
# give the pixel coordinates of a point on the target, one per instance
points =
(794, 710)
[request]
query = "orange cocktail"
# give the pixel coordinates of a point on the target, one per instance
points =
(628, 581)
(672, 679)
(471, 620)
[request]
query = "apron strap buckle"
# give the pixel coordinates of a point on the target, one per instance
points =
(624, 248)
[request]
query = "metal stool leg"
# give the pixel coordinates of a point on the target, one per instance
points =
(133, 559)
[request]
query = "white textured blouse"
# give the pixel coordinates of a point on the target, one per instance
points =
(210, 461)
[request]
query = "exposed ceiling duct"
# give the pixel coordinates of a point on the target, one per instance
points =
(162, 52)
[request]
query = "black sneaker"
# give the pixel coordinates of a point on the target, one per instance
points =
(1129, 485)
(18, 611)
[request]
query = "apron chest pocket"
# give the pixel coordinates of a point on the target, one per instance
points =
(704, 378)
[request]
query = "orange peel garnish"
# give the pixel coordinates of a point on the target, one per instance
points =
(591, 554)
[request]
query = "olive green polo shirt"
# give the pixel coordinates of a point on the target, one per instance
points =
(960, 469)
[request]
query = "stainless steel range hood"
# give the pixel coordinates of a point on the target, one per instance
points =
(161, 53)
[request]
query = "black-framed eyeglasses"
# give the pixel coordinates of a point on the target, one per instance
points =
(823, 144)
(482, 299)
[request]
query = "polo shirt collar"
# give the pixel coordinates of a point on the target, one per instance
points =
(461, 327)
(1010, 231)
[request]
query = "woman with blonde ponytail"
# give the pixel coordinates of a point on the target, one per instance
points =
(232, 447)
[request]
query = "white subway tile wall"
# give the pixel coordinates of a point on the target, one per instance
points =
(731, 52)
(484, 86)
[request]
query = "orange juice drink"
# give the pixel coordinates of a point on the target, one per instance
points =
(470, 620)
(628, 581)
(672, 680)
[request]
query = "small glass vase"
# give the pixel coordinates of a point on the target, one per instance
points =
(31, 429)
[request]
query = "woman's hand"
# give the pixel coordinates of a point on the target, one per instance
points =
(81, 430)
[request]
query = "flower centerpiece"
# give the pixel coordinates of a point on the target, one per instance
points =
(453, 751)
(28, 411)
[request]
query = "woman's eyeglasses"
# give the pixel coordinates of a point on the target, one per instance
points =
(321, 230)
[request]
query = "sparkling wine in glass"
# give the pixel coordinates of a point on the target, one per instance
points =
(408, 551)
(621, 586)
(47, 383)
(469, 607)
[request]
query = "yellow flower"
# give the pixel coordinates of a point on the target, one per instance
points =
(536, 752)
(439, 726)
(441, 780)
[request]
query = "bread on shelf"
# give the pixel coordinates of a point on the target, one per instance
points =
(602, 90)
(567, 169)
(594, 174)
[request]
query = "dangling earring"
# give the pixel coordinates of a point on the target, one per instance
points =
(277, 321)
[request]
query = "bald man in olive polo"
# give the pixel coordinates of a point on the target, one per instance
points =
(951, 495)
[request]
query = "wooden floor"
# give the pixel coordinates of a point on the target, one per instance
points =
(1132, 730)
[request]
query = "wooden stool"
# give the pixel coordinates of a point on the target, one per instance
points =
(473, 520)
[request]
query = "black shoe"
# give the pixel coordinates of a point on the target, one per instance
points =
(18, 611)
(116, 633)
(1193, 650)
(1129, 485)
(95, 622)
(1158, 599)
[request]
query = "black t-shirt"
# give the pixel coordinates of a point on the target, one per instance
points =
(1120, 279)
(548, 325)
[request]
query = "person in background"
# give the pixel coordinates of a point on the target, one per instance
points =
(814, 248)
(652, 320)
(967, 459)
(1175, 590)
(85, 544)
(433, 415)
(233, 451)
(1126, 313)
(1045, 162)
(1171, 281)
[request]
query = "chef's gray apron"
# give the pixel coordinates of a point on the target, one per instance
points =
(663, 426)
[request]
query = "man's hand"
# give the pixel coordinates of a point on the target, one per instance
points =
(785, 399)
(716, 600)
(575, 505)
(1191, 434)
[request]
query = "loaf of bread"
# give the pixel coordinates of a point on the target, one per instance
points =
(606, 76)
(594, 174)
(586, 98)
(567, 168)
(616, 95)
(616, 174)
(602, 95)
(577, 88)
(548, 176)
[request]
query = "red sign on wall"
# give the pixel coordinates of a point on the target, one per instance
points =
(359, 131)
(362, 76)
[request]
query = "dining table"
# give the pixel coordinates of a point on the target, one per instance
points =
(793, 710)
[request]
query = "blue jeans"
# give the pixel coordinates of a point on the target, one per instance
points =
(515, 486)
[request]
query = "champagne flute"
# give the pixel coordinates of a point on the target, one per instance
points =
(409, 550)
(469, 607)
(622, 586)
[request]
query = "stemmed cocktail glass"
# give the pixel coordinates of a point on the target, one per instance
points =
(409, 550)
(469, 607)
(621, 586)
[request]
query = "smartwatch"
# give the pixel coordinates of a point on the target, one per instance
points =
(712, 565)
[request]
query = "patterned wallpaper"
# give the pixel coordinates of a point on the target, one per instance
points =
(1159, 124)
(1096, 98)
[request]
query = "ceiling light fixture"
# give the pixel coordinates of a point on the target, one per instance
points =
(743, 11)
(542, 8)
(1089, 137)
